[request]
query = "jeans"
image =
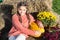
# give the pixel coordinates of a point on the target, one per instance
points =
(12, 38)
(19, 37)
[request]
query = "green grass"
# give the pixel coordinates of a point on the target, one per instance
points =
(1, 1)
(56, 6)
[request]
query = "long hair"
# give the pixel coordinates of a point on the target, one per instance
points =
(22, 4)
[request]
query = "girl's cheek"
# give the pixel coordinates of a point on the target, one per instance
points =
(24, 11)
(20, 12)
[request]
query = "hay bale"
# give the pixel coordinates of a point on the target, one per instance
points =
(33, 5)
(2, 23)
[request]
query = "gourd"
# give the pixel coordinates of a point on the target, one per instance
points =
(34, 26)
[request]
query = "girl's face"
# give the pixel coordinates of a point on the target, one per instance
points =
(22, 10)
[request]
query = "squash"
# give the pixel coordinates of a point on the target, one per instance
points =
(34, 26)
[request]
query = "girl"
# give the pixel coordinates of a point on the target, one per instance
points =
(20, 24)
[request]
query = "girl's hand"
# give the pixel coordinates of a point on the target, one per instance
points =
(37, 34)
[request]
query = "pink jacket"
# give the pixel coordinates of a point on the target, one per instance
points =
(18, 27)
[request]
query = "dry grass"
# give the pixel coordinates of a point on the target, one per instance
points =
(33, 5)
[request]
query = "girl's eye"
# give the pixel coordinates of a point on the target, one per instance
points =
(24, 10)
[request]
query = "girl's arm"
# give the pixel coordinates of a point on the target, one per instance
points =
(38, 22)
(19, 26)
(31, 18)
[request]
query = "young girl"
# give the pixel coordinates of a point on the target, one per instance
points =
(20, 24)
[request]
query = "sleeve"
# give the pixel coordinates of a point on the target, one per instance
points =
(40, 24)
(14, 34)
(31, 18)
(19, 26)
